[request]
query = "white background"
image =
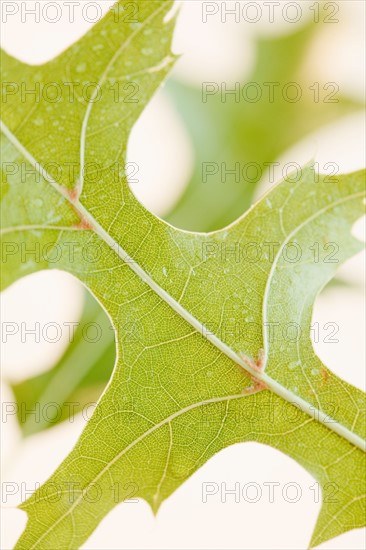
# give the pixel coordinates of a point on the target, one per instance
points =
(160, 145)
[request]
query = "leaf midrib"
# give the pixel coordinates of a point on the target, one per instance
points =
(271, 384)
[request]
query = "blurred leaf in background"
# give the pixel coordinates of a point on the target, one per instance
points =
(229, 133)
(249, 133)
(76, 381)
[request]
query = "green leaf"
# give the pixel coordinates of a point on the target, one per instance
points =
(227, 133)
(194, 379)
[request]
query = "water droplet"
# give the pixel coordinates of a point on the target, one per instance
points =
(135, 25)
(147, 51)
(81, 68)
